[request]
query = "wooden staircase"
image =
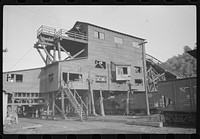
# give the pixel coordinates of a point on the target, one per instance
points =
(77, 103)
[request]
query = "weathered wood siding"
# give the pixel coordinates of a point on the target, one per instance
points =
(30, 83)
(45, 84)
(107, 50)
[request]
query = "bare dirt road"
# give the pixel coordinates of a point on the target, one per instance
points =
(106, 125)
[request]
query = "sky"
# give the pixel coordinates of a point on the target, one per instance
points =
(167, 29)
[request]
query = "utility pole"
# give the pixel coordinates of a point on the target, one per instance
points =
(145, 75)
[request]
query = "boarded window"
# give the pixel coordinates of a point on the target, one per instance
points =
(118, 40)
(100, 64)
(75, 77)
(99, 35)
(101, 79)
(138, 82)
(51, 77)
(19, 78)
(137, 69)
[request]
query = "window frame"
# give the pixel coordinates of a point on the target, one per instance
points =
(99, 35)
(118, 40)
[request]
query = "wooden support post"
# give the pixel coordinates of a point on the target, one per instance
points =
(128, 98)
(63, 103)
(92, 97)
(53, 103)
(48, 104)
(101, 104)
(54, 53)
(59, 52)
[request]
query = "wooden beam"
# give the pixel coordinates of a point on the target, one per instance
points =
(41, 55)
(77, 53)
(58, 108)
(65, 51)
(59, 52)
(101, 104)
(53, 103)
(48, 55)
(54, 53)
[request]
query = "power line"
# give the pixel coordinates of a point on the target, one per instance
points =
(21, 58)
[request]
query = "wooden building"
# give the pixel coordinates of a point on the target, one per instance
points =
(79, 64)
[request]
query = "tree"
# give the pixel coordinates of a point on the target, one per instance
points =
(184, 64)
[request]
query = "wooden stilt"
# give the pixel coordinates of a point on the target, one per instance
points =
(101, 104)
(53, 103)
(63, 103)
(59, 52)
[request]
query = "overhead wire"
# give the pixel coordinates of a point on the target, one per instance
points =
(20, 58)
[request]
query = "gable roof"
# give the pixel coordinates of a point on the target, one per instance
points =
(79, 22)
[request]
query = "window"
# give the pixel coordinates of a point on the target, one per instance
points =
(136, 44)
(137, 69)
(99, 35)
(100, 64)
(75, 77)
(19, 78)
(14, 77)
(138, 82)
(118, 40)
(101, 79)
(51, 77)
(122, 70)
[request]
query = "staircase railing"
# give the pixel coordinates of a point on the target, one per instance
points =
(83, 105)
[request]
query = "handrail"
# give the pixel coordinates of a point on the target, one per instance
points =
(69, 34)
(46, 29)
(80, 99)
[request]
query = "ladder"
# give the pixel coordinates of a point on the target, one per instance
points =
(79, 107)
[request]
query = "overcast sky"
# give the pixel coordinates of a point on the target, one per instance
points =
(167, 29)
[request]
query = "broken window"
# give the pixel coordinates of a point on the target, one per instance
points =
(138, 82)
(118, 40)
(122, 70)
(137, 69)
(51, 77)
(65, 77)
(101, 79)
(100, 64)
(99, 35)
(14, 77)
(75, 77)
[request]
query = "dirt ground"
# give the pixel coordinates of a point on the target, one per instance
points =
(94, 125)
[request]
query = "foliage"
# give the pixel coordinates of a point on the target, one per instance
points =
(184, 64)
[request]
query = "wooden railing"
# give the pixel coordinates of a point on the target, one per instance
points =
(45, 29)
(62, 33)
